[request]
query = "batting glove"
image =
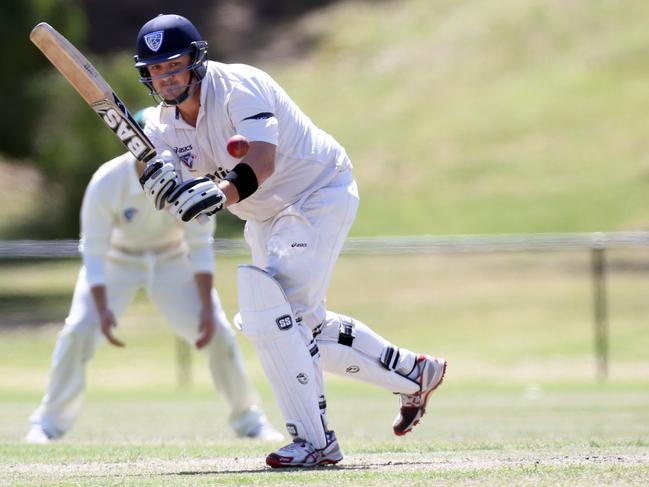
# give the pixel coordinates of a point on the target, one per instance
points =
(160, 178)
(200, 196)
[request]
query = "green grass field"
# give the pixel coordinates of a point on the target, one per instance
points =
(483, 116)
(521, 403)
(460, 117)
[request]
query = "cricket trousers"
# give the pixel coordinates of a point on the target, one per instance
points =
(169, 282)
(299, 247)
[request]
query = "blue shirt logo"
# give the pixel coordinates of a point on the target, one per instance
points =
(129, 214)
(187, 160)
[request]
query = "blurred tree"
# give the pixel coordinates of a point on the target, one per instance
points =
(232, 27)
(49, 122)
(72, 142)
(113, 30)
(22, 103)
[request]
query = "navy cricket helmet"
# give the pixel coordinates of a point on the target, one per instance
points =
(168, 37)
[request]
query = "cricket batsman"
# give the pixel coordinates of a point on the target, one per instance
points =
(296, 192)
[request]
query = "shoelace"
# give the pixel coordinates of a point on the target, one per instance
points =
(414, 400)
(411, 400)
(298, 444)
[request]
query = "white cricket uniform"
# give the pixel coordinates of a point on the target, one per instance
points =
(240, 99)
(127, 245)
(297, 220)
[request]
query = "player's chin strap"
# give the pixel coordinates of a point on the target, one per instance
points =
(189, 91)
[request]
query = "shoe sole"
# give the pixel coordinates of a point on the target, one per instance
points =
(273, 463)
(423, 408)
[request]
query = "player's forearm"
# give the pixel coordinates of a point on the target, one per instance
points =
(95, 268)
(99, 296)
(261, 159)
(204, 282)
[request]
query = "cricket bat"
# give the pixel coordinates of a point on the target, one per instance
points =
(83, 76)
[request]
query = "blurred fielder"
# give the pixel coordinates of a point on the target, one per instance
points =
(127, 245)
(296, 191)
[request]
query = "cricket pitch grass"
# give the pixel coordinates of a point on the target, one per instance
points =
(521, 403)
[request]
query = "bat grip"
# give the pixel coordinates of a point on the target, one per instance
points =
(203, 219)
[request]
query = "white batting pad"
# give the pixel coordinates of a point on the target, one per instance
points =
(268, 321)
(350, 348)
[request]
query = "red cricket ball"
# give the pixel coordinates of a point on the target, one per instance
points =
(238, 146)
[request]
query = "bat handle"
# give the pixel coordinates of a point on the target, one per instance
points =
(203, 219)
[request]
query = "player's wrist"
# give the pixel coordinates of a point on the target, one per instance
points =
(244, 180)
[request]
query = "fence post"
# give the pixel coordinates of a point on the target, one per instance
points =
(600, 310)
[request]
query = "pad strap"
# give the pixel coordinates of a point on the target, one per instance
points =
(346, 331)
(390, 357)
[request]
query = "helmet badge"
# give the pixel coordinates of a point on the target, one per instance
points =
(154, 40)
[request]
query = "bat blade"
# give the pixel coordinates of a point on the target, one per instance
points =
(92, 87)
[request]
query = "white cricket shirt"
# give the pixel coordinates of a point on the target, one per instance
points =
(116, 214)
(241, 99)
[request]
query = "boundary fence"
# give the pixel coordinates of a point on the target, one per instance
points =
(16, 249)
(596, 243)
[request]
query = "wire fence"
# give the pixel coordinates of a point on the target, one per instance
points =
(596, 243)
(18, 249)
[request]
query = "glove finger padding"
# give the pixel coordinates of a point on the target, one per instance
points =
(160, 178)
(195, 197)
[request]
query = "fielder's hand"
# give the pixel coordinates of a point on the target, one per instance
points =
(194, 198)
(107, 321)
(206, 327)
(160, 178)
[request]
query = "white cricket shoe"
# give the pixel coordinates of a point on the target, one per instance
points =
(413, 406)
(301, 453)
(38, 436)
(265, 432)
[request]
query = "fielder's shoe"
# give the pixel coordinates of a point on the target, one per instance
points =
(265, 432)
(413, 406)
(38, 436)
(301, 453)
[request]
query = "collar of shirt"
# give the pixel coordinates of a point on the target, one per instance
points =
(171, 117)
(174, 115)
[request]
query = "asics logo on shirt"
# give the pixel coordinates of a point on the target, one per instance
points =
(185, 155)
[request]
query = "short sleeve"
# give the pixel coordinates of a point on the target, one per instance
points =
(252, 112)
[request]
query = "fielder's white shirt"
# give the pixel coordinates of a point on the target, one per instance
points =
(116, 215)
(241, 99)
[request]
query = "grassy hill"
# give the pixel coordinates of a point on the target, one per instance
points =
(482, 116)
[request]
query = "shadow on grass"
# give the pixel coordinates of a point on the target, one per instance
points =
(263, 469)
(320, 468)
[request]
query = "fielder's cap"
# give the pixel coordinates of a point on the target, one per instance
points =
(143, 115)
